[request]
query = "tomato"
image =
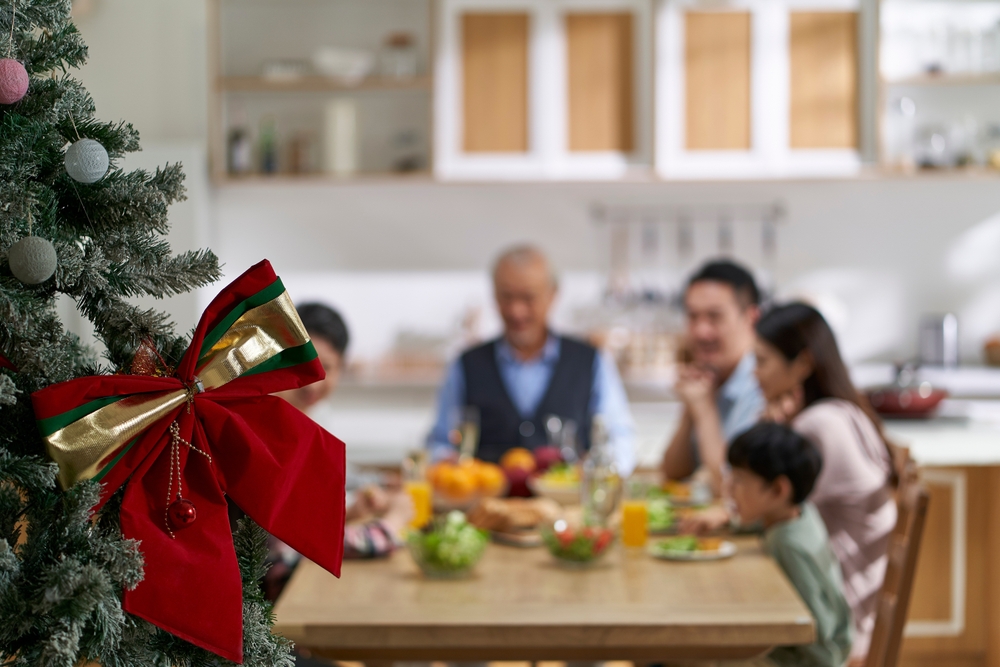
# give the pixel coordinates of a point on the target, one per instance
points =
(603, 540)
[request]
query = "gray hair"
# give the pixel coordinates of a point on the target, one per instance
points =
(522, 255)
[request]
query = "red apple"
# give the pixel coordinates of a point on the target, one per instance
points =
(518, 478)
(546, 457)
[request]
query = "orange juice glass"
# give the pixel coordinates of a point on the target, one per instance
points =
(635, 528)
(420, 494)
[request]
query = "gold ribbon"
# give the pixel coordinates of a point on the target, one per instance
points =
(83, 448)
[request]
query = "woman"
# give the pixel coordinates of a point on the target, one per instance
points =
(806, 384)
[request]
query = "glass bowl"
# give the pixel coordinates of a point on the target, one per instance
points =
(574, 544)
(448, 547)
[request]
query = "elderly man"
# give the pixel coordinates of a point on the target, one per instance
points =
(518, 380)
(718, 388)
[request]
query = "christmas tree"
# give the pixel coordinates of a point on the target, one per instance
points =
(94, 234)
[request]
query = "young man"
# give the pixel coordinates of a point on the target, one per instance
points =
(718, 388)
(773, 472)
(529, 373)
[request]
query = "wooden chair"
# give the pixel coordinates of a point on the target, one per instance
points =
(904, 545)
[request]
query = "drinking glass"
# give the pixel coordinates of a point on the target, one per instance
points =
(635, 517)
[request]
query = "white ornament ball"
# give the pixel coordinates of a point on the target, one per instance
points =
(32, 260)
(87, 161)
(13, 81)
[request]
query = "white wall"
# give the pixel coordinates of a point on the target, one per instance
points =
(148, 65)
(875, 250)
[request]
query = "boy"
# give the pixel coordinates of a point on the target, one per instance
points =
(376, 519)
(773, 472)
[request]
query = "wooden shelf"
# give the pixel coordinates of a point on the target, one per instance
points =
(312, 84)
(991, 78)
(321, 178)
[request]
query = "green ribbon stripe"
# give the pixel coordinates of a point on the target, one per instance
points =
(293, 356)
(269, 293)
(114, 461)
(60, 421)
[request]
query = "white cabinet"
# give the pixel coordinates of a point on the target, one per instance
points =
(543, 89)
(755, 89)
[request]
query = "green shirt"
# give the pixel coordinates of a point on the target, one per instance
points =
(802, 549)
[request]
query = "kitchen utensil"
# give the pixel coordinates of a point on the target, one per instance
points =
(939, 340)
(907, 398)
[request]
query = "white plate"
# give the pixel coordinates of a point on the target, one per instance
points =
(725, 550)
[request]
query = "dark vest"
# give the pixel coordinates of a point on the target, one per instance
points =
(501, 427)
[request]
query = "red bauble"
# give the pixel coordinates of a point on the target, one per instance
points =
(13, 81)
(182, 513)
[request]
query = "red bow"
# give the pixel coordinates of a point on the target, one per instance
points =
(276, 464)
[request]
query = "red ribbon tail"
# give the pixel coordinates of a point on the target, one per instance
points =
(192, 586)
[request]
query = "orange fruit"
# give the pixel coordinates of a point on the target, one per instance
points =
(518, 458)
(490, 479)
(457, 483)
(436, 472)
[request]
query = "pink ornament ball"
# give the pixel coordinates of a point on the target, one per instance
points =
(13, 81)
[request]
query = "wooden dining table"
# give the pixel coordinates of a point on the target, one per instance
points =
(519, 604)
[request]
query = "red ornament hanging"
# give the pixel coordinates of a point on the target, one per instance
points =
(181, 513)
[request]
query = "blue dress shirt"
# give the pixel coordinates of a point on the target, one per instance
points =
(526, 383)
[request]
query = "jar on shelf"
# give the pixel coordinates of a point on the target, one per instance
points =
(398, 59)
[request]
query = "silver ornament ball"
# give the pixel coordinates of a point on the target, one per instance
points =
(32, 260)
(86, 161)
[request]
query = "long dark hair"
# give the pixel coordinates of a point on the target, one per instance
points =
(795, 328)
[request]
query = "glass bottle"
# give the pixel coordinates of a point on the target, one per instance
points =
(600, 484)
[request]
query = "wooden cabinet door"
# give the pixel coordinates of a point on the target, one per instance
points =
(717, 80)
(600, 81)
(495, 82)
(823, 63)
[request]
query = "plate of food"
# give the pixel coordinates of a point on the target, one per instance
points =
(561, 483)
(688, 547)
(663, 517)
(515, 521)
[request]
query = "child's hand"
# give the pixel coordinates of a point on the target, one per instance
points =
(399, 513)
(372, 501)
(704, 521)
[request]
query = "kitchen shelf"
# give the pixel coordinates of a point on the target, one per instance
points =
(320, 178)
(312, 84)
(991, 78)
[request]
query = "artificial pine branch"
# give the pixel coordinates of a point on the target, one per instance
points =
(62, 569)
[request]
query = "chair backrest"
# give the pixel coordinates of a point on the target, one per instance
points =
(904, 546)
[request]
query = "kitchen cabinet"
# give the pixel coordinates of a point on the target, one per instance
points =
(495, 82)
(955, 609)
(600, 81)
(757, 89)
(823, 62)
(717, 80)
(544, 89)
(602, 89)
